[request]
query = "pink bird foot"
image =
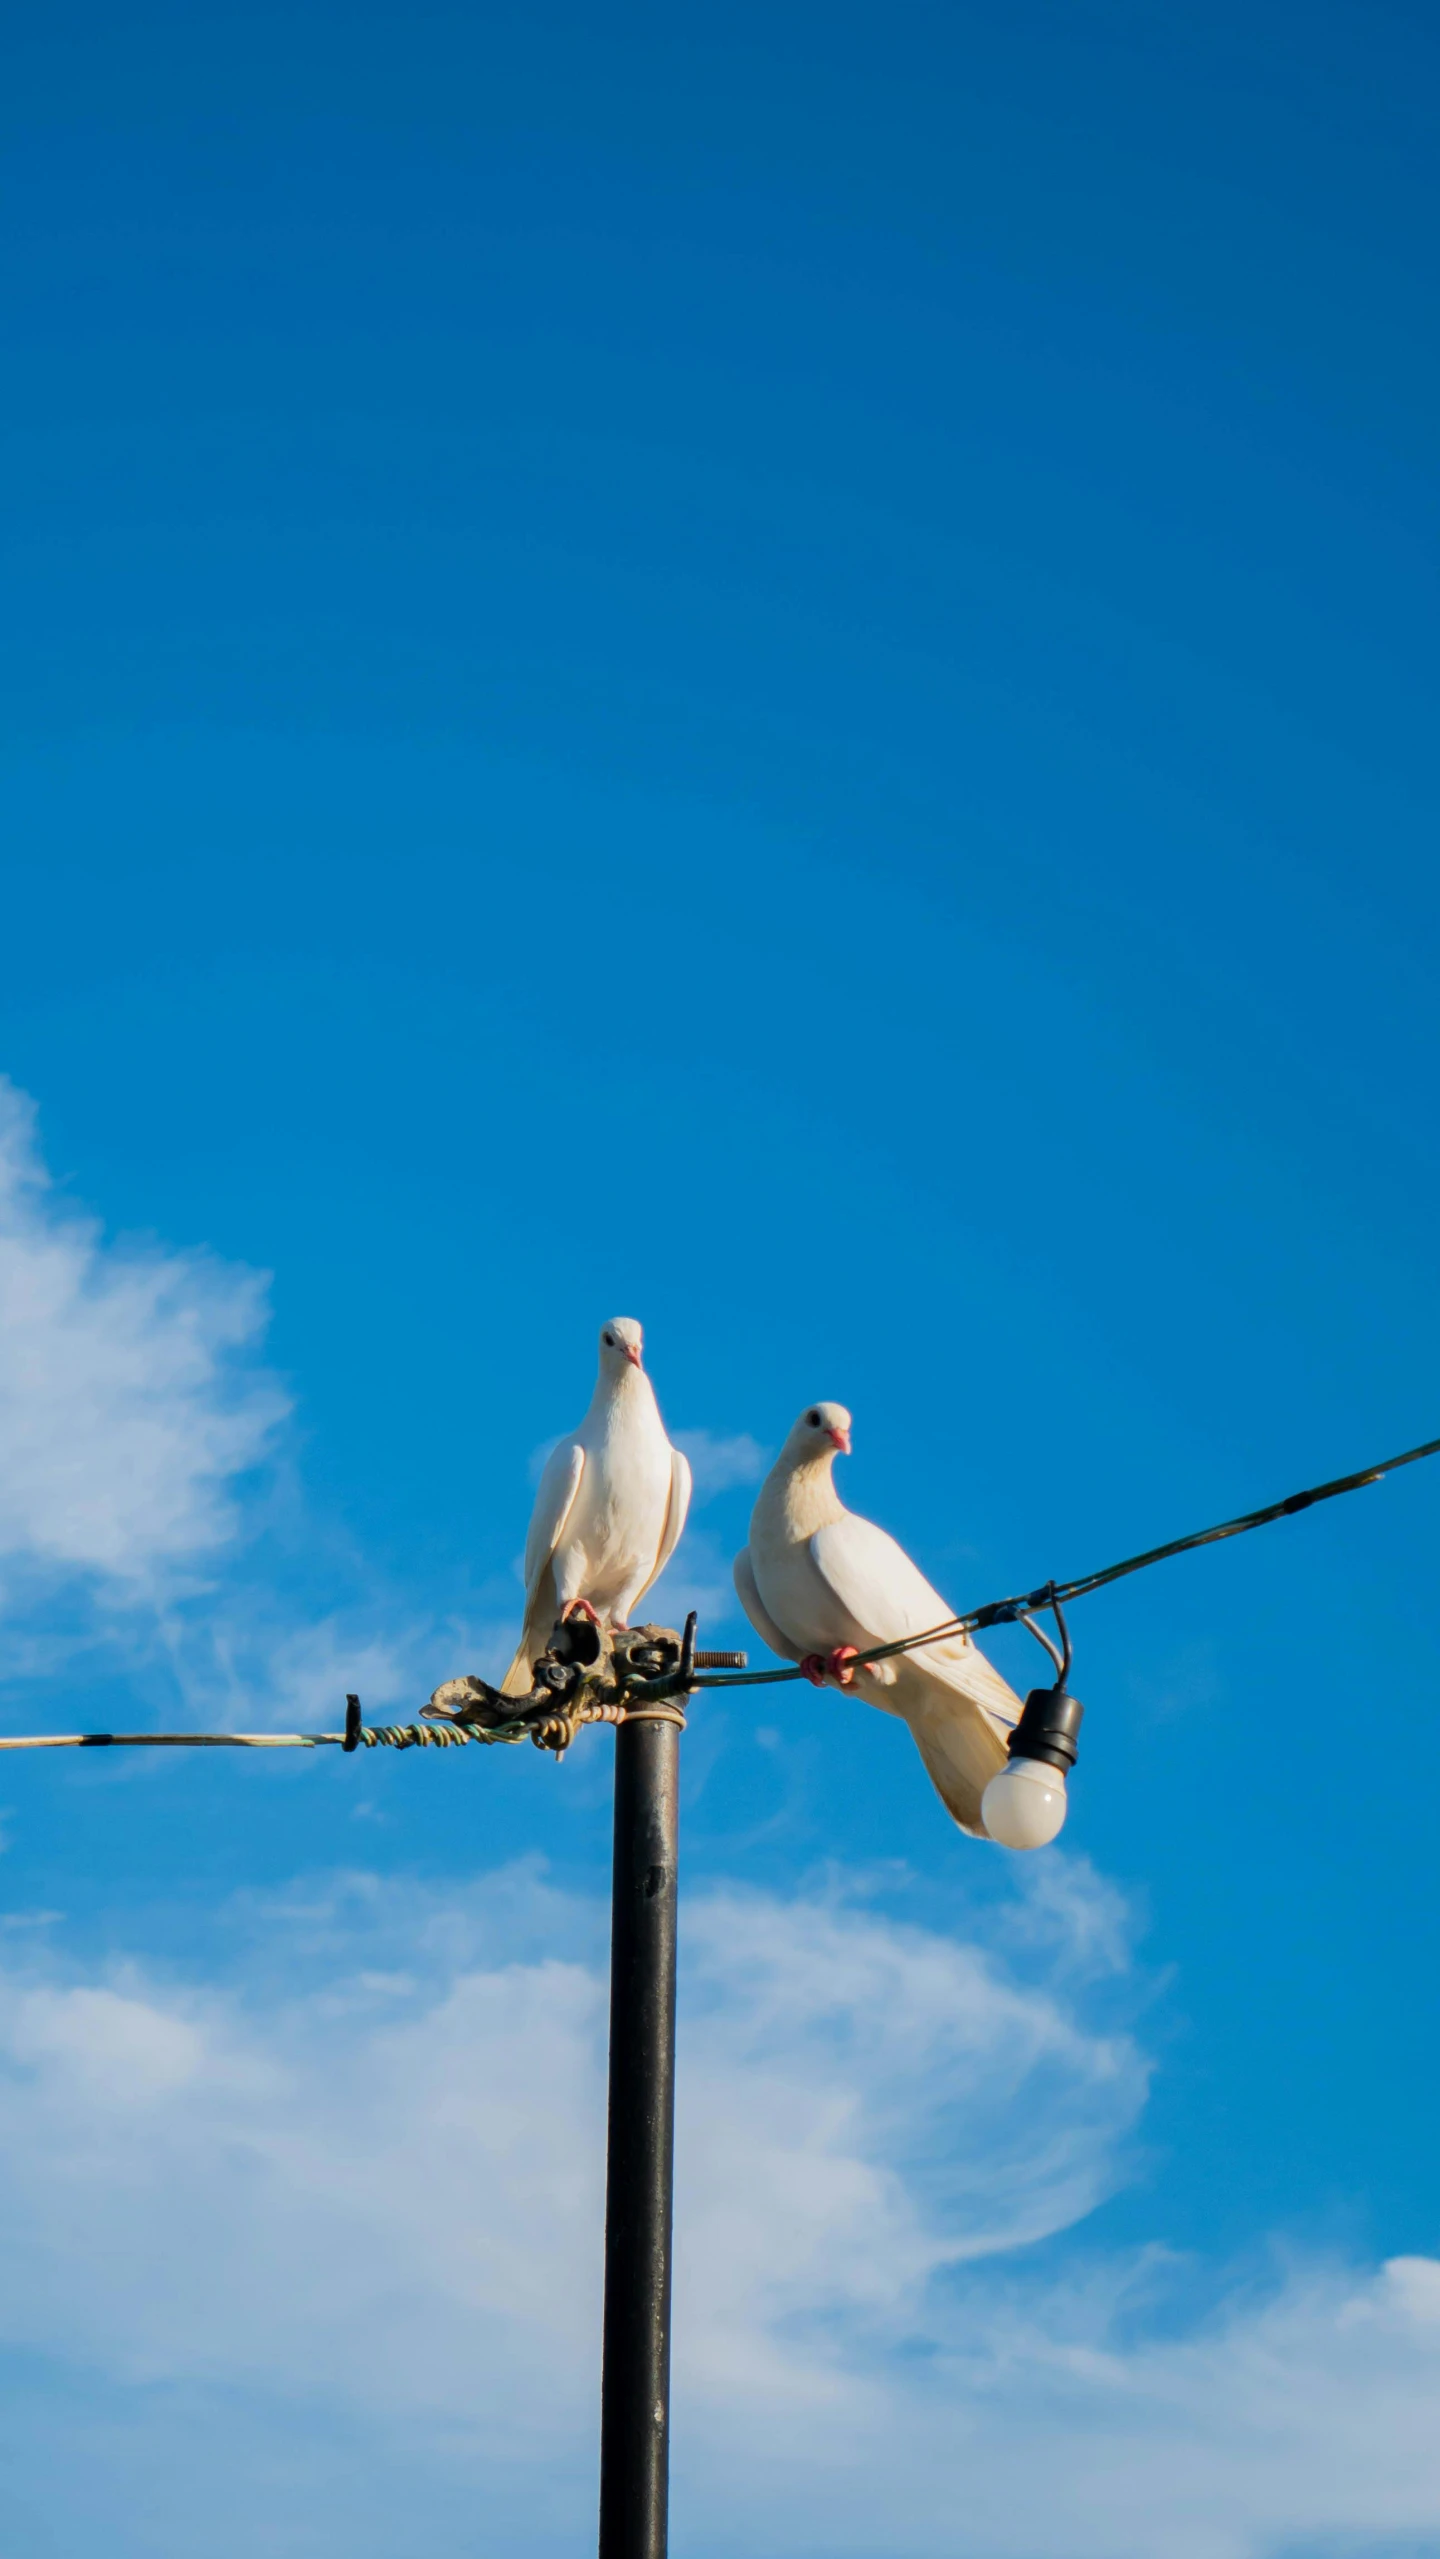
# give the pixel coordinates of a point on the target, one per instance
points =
(579, 1608)
(818, 1667)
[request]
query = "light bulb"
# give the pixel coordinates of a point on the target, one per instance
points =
(1024, 1806)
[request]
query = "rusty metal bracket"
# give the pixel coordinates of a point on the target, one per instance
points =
(587, 1674)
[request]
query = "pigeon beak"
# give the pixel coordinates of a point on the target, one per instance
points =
(842, 1441)
(633, 1356)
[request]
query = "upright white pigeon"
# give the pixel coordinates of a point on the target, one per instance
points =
(819, 1584)
(610, 1508)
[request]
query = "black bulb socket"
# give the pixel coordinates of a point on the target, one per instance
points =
(1049, 1728)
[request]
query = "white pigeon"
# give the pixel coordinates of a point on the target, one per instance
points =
(819, 1584)
(610, 1508)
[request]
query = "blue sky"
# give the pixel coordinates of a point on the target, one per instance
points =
(774, 670)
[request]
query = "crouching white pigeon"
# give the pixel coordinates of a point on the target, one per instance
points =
(610, 1508)
(820, 1584)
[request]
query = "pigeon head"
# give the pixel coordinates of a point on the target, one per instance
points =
(821, 1430)
(621, 1342)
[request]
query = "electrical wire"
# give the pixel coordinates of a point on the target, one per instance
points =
(995, 1612)
(367, 1737)
(1006, 1612)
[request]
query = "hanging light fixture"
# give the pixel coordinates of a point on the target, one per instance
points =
(1025, 1803)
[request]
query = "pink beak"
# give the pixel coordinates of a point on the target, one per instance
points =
(633, 1357)
(842, 1441)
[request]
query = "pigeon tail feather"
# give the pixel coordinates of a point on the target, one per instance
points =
(540, 1616)
(518, 1679)
(958, 1788)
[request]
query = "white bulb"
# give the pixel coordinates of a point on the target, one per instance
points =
(1024, 1805)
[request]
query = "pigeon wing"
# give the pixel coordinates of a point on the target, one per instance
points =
(873, 1581)
(743, 1572)
(678, 1505)
(554, 1502)
(955, 1702)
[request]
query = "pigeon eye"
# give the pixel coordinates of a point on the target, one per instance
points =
(610, 1341)
(814, 1421)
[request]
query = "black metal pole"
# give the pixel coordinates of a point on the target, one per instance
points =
(635, 2385)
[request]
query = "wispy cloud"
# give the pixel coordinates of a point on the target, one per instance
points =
(719, 1461)
(139, 1440)
(129, 1398)
(359, 2175)
(368, 2168)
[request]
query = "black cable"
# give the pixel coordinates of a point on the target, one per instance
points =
(1005, 1612)
(996, 1612)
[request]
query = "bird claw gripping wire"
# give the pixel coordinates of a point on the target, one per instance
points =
(839, 1665)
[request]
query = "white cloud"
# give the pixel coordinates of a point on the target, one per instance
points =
(1303, 2417)
(719, 1462)
(131, 1409)
(363, 2182)
(865, 2079)
(698, 1577)
(373, 2167)
(244, 1662)
(127, 1399)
